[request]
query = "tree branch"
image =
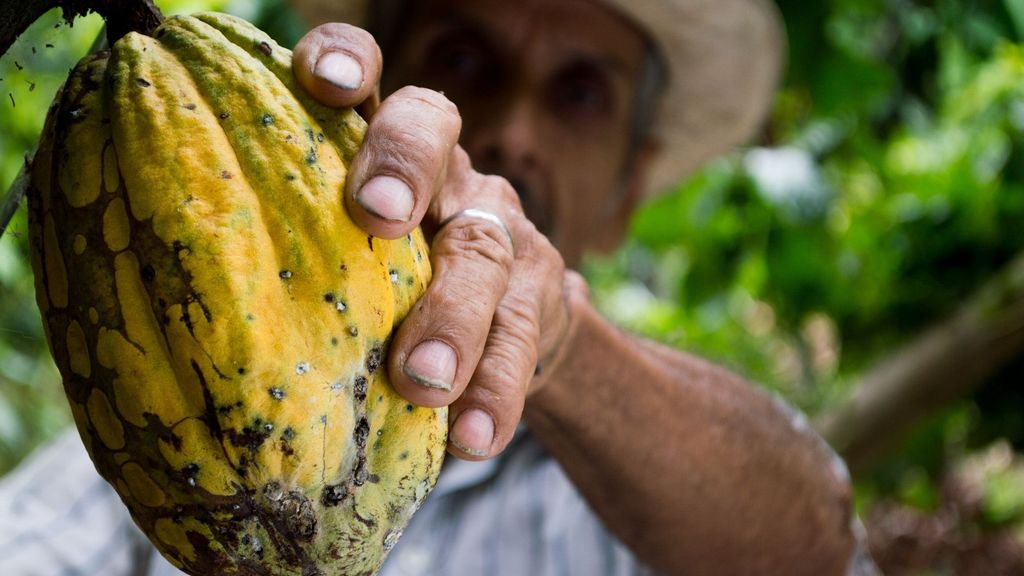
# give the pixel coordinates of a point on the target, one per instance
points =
(122, 16)
(944, 364)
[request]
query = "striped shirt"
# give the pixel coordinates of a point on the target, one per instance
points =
(514, 515)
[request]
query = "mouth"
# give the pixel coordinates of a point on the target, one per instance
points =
(534, 204)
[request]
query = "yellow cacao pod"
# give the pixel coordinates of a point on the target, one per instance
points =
(219, 321)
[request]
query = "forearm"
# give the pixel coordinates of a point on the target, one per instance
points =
(694, 469)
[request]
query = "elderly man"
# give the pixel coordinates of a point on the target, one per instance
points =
(579, 449)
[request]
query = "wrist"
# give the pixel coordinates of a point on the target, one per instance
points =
(552, 367)
(584, 357)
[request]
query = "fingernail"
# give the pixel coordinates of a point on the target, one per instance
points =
(339, 69)
(386, 197)
(473, 433)
(432, 364)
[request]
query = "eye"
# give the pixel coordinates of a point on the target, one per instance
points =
(460, 59)
(582, 91)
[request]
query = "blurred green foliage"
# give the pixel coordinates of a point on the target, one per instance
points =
(888, 186)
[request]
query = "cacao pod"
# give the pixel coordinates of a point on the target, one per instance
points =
(219, 322)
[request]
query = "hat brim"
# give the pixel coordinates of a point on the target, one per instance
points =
(723, 59)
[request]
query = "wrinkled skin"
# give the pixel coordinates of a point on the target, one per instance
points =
(690, 466)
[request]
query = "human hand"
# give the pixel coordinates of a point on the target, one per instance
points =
(497, 305)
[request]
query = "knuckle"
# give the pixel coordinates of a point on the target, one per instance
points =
(476, 240)
(516, 316)
(404, 148)
(335, 36)
(458, 305)
(501, 190)
(510, 359)
(431, 98)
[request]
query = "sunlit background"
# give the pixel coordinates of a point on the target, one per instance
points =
(884, 199)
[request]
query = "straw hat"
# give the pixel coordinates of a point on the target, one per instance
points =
(723, 58)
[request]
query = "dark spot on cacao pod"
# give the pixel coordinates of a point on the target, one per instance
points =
(251, 437)
(286, 449)
(72, 116)
(268, 427)
(173, 439)
(329, 297)
(289, 177)
(360, 474)
(267, 119)
(353, 331)
(224, 115)
(374, 359)
(143, 82)
(409, 407)
(359, 388)
(361, 432)
(254, 544)
(311, 157)
(409, 281)
(148, 273)
(369, 240)
(241, 371)
(373, 479)
(189, 473)
(297, 512)
(323, 418)
(276, 393)
(288, 433)
(225, 175)
(285, 275)
(266, 49)
(334, 340)
(309, 134)
(380, 398)
(403, 456)
(190, 106)
(333, 495)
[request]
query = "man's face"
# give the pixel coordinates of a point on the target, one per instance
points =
(546, 89)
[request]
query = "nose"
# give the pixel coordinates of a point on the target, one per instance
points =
(504, 141)
(507, 141)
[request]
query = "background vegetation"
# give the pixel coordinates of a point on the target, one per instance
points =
(887, 189)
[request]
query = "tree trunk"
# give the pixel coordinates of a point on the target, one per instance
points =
(942, 365)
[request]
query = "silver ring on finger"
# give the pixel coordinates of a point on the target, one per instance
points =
(481, 214)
